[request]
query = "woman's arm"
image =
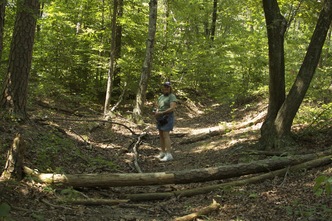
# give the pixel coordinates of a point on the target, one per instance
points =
(169, 110)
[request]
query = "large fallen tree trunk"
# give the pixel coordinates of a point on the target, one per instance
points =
(206, 189)
(176, 177)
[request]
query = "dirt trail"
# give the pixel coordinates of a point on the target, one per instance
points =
(95, 151)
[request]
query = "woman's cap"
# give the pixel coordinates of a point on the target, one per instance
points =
(167, 84)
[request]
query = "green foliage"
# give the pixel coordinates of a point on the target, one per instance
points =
(317, 117)
(4, 211)
(98, 161)
(49, 147)
(72, 48)
(300, 211)
(317, 211)
(323, 184)
(70, 193)
(37, 217)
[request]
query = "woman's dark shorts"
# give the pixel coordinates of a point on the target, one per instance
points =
(169, 125)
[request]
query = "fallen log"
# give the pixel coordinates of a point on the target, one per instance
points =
(94, 202)
(204, 136)
(214, 206)
(175, 177)
(206, 189)
(259, 118)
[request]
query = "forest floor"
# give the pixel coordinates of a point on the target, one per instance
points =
(68, 139)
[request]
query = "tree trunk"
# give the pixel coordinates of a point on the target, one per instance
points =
(276, 26)
(14, 163)
(288, 110)
(14, 95)
(165, 29)
(146, 69)
(2, 24)
(115, 52)
(176, 177)
(214, 19)
(281, 112)
(118, 43)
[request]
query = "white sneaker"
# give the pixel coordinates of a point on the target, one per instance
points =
(167, 157)
(161, 155)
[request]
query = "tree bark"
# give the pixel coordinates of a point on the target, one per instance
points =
(14, 95)
(276, 26)
(175, 177)
(214, 19)
(146, 69)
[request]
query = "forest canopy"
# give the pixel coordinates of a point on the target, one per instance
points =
(217, 48)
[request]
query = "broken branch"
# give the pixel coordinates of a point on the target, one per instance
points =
(214, 206)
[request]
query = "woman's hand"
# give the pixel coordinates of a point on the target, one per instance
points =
(157, 113)
(169, 110)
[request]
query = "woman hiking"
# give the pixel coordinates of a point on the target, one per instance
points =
(164, 115)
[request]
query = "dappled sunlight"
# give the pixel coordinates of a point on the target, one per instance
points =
(228, 140)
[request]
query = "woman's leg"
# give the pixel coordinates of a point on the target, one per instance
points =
(162, 140)
(167, 141)
(167, 146)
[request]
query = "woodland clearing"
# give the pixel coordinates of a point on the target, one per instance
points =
(71, 140)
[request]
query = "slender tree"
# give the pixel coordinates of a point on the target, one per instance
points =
(282, 111)
(118, 43)
(115, 51)
(214, 19)
(2, 23)
(14, 95)
(146, 69)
